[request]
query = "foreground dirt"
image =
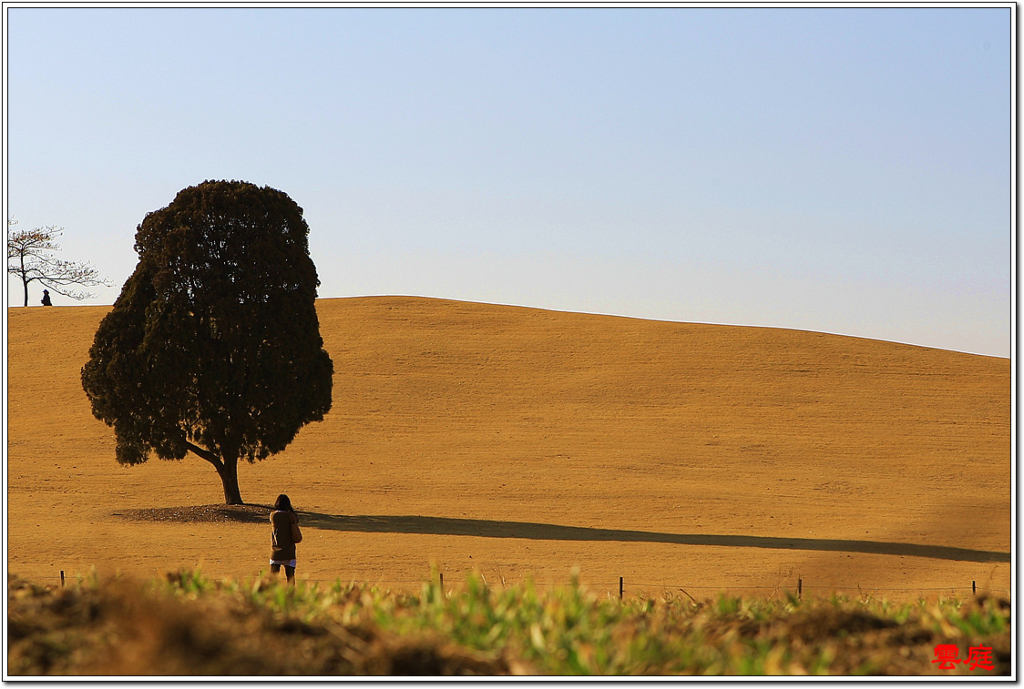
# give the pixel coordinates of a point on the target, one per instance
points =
(527, 442)
(121, 627)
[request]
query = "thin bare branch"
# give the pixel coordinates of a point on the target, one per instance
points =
(32, 254)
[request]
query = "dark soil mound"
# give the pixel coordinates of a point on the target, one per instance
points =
(248, 514)
(121, 628)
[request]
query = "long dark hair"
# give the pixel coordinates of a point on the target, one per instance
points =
(283, 504)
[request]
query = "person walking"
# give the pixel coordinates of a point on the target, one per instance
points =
(46, 298)
(284, 536)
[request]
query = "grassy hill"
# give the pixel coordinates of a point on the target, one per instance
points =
(520, 441)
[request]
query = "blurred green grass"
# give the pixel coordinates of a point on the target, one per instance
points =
(186, 624)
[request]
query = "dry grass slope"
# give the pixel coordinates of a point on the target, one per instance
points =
(516, 441)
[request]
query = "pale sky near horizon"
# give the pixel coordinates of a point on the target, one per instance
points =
(846, 170)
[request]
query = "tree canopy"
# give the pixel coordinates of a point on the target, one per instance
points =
(213, 345)
(30, 256)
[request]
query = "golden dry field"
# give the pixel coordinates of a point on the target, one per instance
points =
(519, 441)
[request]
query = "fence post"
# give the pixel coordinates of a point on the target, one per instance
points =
(440, 576)
(62, 578)
(620, 588)
(799, 588)
(974, 587)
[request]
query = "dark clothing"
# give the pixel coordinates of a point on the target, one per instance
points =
(283, 547)
(46, 300)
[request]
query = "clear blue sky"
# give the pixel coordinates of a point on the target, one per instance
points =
(837, 169)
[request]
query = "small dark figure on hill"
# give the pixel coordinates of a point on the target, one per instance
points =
(46, 298)
(284, 536)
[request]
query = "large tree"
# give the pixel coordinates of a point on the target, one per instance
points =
(214, 344)
(30, 256)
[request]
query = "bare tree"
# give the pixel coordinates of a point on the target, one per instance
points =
(30, 257)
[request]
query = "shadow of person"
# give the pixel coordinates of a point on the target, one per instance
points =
(486, 528)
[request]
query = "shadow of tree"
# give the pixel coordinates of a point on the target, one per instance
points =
(486, 528)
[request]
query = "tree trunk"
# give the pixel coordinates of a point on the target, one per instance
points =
(227, 469)
(229, 478)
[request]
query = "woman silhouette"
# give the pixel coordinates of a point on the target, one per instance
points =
(284, 536)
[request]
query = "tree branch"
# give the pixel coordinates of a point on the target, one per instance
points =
(207, 455)
(32, 251)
